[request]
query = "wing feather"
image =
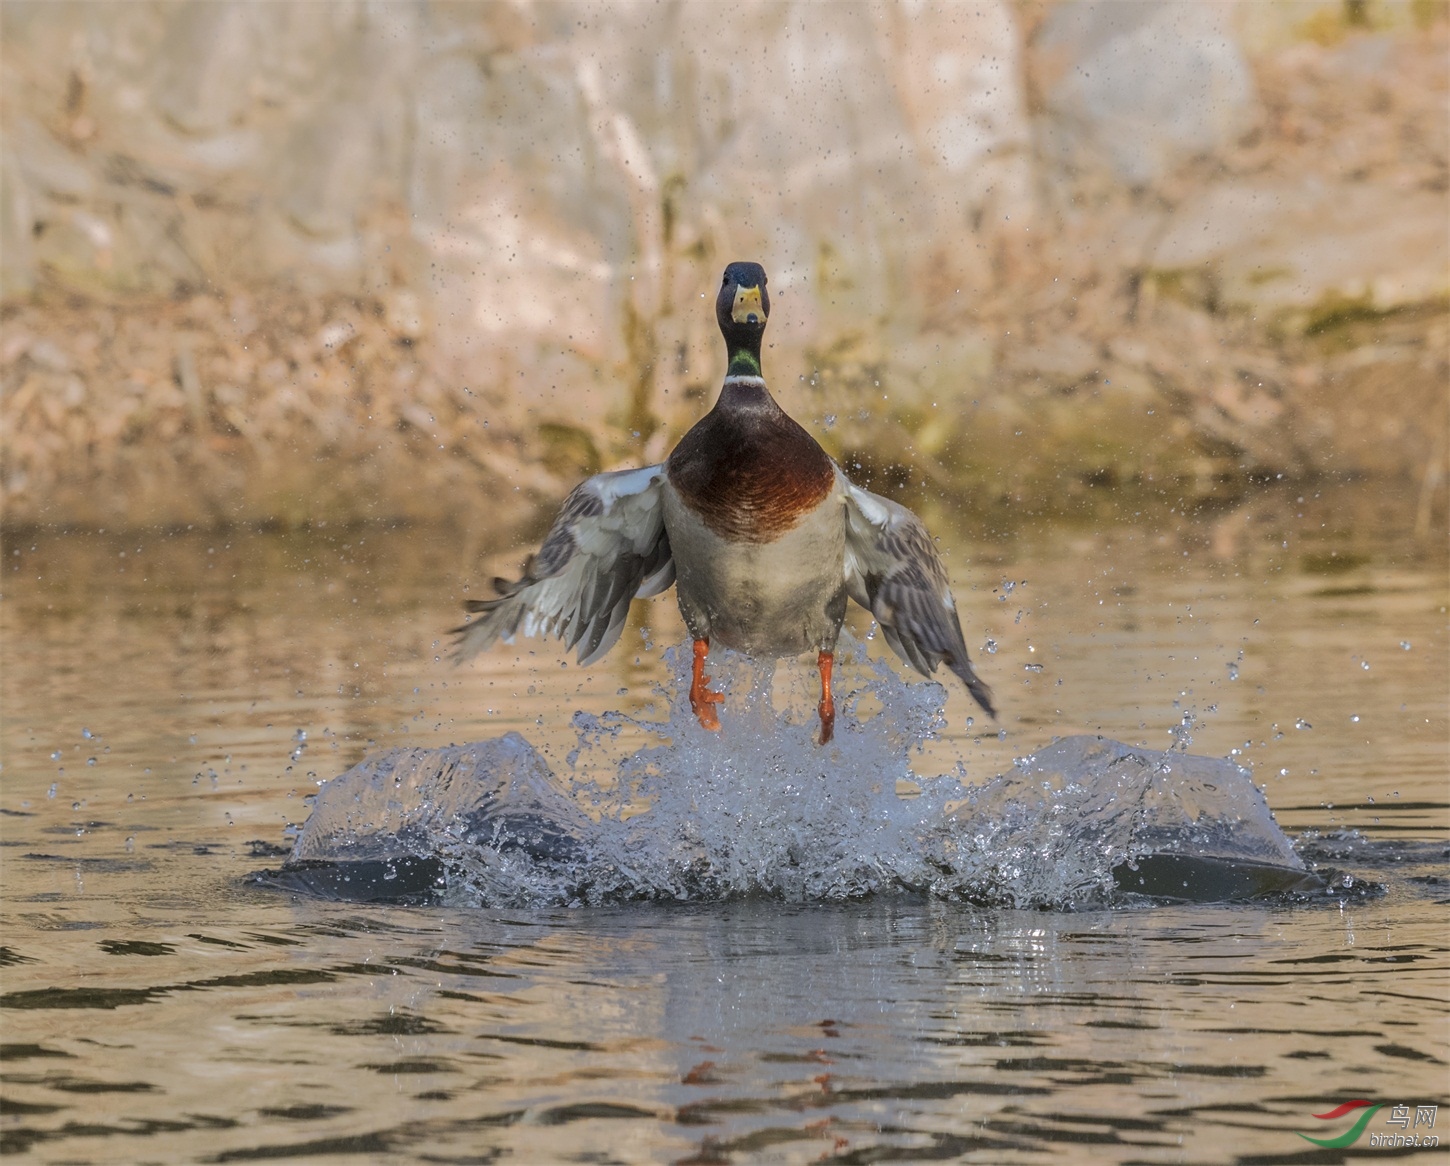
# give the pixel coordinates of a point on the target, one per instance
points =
(607, 545)
(894, 572)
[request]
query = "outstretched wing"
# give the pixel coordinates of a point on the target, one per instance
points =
(607, 545)
(894, 572)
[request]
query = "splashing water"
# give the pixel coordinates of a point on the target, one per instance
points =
(762, 810)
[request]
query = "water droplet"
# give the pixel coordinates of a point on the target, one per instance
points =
(1182, 733)
(1283, 773)
(990, 647)
(50, 793)
(1233, 671)
(56, 756)
(1354, 720)
(87, 734)
(90, 760)
(1406, 645)
(1364, 664)
(1301, 723)
(1032, 667)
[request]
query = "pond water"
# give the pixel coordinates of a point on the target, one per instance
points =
(171, 701)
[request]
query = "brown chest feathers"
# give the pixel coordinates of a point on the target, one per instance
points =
(748, 470)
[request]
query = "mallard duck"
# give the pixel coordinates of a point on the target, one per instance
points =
(761, 533)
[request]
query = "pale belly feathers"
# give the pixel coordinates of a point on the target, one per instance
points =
(778, 598)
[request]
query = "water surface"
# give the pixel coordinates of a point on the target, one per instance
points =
(171, 700)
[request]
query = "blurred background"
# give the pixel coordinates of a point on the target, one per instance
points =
(339, 261)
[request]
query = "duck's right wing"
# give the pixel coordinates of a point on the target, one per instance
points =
(607, 546)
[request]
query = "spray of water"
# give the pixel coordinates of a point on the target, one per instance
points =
(761, 810)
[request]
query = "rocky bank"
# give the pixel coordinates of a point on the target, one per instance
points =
(344, 261)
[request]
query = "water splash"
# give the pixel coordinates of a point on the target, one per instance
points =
(761, 810)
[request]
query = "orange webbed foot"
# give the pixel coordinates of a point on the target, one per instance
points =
(702, 699)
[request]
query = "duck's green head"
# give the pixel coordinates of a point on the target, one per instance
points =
(741, 309)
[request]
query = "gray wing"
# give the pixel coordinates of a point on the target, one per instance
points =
(894, 572)
(607, 546)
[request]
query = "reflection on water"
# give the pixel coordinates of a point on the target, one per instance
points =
(240, 1029)
(169, 701)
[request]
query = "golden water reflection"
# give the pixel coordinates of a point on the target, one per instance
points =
(170, 698)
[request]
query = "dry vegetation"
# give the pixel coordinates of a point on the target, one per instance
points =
(255, 408)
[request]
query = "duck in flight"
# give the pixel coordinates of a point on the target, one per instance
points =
(761, 533)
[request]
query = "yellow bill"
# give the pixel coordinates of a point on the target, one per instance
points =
(747, 308)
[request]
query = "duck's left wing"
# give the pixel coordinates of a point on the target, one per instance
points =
(607, 546)
(894, 572)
